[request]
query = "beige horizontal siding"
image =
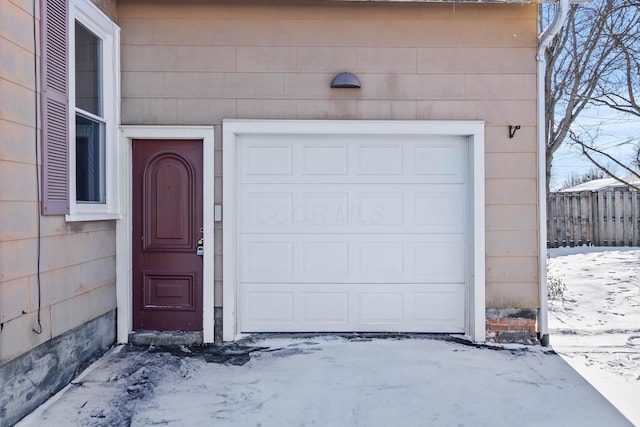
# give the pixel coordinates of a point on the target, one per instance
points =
(108, 7)
(476, 60)
(498, 141)
(18, 64)
(510, 165)
(503, 96)
(77, 259)
(18, 143)
(16, 23)
(18, 103)
(70, 313)
(515, 269)
(63, 251)
(18, 336)
(512, 294)
(17, 297)
(18, 181)
(511, 217)
(81, 278)
(198, 63)
(515, 191)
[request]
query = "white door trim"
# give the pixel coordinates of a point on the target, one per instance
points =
(472, 130)
(124, 225)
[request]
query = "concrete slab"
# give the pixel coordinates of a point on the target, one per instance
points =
(330, 381)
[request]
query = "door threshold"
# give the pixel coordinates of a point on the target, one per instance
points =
(187, 338)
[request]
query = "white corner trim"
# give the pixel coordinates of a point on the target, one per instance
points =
(477, 299)
(229, 230)
(124, 225)
(473, 130)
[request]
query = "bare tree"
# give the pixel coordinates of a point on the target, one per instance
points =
(593, 61)
(627, 98)
(596, 156)
(578, 178)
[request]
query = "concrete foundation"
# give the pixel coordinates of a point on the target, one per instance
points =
(29, 380)
(217, 329)
(170, 338)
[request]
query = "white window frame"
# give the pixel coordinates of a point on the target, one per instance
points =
(87, 14)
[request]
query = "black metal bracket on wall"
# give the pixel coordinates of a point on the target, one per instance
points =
(512, 130)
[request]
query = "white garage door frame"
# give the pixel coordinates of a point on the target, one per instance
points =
(473, 133)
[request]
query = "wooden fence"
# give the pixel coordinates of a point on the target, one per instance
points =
(598, 218)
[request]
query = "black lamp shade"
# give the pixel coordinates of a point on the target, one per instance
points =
(345, 80)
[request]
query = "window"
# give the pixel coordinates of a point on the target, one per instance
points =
(94, 100)
(89, 120)
(79, 160)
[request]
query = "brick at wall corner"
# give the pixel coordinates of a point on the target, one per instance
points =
(511, 324)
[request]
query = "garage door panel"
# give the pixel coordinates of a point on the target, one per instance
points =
(268, 207)
(351, 159)
(272, 159)
(325, 307)
(443, 159)
(318, 208)
(352, 258)
(442, 306)
(346, 307)
(357, 208)
(379, 159)
(380, 258)
(324, 159)
(380, 307)
(441, 208)
(324, 258)
(267, 257)
(379, 208)
(269, 307)
(352, 232)
(442, 259)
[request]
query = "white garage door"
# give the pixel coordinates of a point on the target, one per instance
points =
(351, 233)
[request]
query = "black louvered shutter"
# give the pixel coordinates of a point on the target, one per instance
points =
(54, 32)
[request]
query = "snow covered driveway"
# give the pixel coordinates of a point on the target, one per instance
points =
(331, 381)
(596, 326)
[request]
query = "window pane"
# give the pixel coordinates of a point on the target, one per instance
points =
(88, 71)
(89, 160)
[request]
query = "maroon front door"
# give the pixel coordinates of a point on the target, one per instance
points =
(167, 225)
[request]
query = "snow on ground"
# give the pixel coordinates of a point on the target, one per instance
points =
(331, 381)
(595, 327)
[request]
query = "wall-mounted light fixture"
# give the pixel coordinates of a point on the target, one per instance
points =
(345, 80)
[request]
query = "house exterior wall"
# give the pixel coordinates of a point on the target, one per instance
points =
(109, 7)
(77, 260)
(197, 63)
